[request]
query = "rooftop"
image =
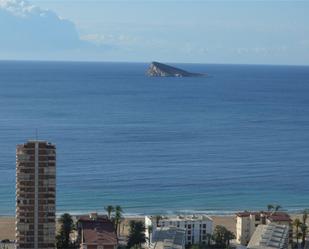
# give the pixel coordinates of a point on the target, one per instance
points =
(269, 236)
(194, 217)
(97, 230)
(169, 238)
(272, 216)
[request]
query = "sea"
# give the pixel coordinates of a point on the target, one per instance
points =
(235, 140)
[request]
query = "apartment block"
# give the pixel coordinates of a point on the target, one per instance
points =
(246, 223)
(197, 227)
(35, 195)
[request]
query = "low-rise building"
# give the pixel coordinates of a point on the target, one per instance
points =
(168, 238)
(197, 227)
(246, 223)
(96, 232)
(7, 245)
(271, 236)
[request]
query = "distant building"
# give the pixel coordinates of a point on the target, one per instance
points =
(246, 223)
(10, 245)
(197, 227)
(168, 238)
(96, 232)
(271, 236)
(35, 195)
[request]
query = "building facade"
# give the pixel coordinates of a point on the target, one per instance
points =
(197, 227)
(35, 195)
(246, 223)
(96, 232)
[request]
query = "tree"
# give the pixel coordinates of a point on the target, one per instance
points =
(209, 237)
(297, 224)
(270, 207)
(228, 237)
(158, 218)
(305, 216)
(117, 218)
(222, 237)
(277, 208)
(304, 230)
(109, 209)
(67, 226)
(136, 234)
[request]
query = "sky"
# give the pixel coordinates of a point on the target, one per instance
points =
(190, 31)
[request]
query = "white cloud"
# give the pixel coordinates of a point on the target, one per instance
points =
(21, 8)
(107, 39)
(26, 28)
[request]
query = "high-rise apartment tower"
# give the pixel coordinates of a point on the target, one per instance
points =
(35, 195)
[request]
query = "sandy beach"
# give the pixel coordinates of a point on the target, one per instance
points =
(7, 224)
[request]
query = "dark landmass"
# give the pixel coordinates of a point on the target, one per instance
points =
(157, 69)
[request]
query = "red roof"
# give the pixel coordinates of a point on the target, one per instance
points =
(98, 231)
(279, 216)
(246, 214)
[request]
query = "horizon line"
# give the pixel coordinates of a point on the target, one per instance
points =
(148, 62)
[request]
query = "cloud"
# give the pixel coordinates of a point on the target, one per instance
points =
(28, 28)
(108, 39)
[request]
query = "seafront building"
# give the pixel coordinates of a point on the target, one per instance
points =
(272, 236)
(246, 223)
(197, 227)
(96, 232)
(168, 238)
(35, 195)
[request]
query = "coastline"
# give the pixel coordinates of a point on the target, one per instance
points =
(7, 223)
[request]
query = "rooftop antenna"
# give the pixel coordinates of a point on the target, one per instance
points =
(36, 134)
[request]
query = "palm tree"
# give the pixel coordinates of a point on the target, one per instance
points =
(277, 208)
(304, 227)
(158, 218)
(270, 207)
(304, 230)
(109, 209)
(118, 217)
(305, 216)
(228, 236)
(297, 224)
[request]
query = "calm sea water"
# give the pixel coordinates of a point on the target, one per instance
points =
(236, 140)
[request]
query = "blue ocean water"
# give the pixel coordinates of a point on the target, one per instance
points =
(236, 140)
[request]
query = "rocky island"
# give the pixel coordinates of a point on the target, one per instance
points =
(157, 69)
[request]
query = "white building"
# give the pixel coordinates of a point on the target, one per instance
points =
(246, 223)
(272, 236)
(197, 227)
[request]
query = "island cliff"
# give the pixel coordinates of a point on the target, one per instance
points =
(157, 69)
